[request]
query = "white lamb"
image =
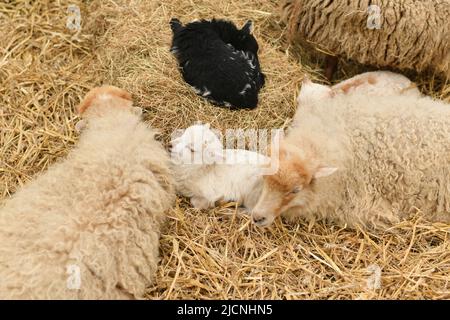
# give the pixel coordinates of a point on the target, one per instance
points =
(360, 161)
(207, 173)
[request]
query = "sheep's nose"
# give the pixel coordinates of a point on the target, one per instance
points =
(259, 220)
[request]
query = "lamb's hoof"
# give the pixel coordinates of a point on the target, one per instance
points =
(199, 203)
(80, 125)
(331, 65)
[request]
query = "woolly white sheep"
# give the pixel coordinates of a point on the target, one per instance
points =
(88, 227)
(379, 83)
(359, 161)
(376, 83)
(207, 173)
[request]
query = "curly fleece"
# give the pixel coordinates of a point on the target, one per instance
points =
(392, 155)
(98, 211)
(413, 34)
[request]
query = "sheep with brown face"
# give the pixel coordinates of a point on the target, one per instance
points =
(292, 187)
(362, 160)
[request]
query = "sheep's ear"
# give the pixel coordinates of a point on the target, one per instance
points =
(175, 24)
(248, 27)
(276, 142)
(175, 140)
(306, 80)
(278, 135)
(208, 125)
(114, 91)
(324, 172)
(87, 101)
(219, 156)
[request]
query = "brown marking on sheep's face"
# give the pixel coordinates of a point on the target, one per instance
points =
(292, 186)
(281, 191)
(122, 96)
(291, 172)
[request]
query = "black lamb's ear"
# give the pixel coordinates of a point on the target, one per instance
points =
(175, 24)
(248, 27)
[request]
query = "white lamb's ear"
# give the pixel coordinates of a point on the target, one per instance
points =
(219, 157)
(80, 125)
(311, 92)
(248, 27)
(207, 125)
(306, 80)
(324, 172)
(278, 135)
(175, 141)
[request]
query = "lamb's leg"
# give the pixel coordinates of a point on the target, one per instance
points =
(292, 214)
(200, 203)
(370, 212)
(331, 63)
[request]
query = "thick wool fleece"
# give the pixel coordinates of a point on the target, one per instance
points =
(413, 34)
(98, 211)
(392, 155)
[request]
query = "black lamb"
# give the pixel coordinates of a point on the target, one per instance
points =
(219, 61)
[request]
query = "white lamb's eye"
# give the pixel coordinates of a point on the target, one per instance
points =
(190, 147)
(295, 190)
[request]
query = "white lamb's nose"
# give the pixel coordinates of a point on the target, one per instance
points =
(259, 220)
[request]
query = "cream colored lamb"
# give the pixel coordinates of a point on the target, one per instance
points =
(88, 227)
(207, 173)
(377, 83)
(362, 161)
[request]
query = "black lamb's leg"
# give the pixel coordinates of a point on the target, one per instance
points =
(331, 63)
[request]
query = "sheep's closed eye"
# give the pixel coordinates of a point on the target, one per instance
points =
(295, 190)
(190, 147)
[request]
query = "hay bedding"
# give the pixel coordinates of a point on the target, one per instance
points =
(45, 69)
